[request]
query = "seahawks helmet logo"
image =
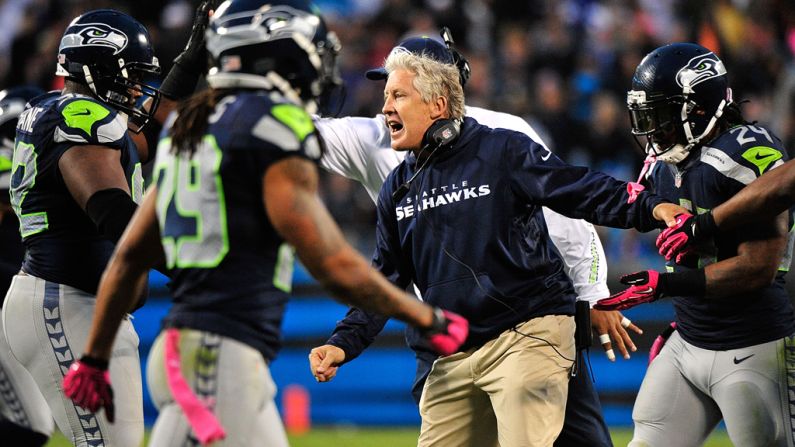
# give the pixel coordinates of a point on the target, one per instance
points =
(700, 69)
(95, 35)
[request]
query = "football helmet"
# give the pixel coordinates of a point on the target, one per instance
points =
(111, 53)
(445, 53)
(679, 91)
(12, 103)
(273, 44)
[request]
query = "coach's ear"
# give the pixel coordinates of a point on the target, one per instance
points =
(438, 108)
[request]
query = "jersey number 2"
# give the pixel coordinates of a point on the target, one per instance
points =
(191, 207)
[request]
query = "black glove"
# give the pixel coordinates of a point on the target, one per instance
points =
(181, 80)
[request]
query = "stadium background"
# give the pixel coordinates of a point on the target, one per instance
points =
(563, 65)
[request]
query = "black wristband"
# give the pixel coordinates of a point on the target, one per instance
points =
(704, 226)
(111, 210)
(94, 362)
(438, 325)
(688, 283)
(152, 136)
(180, 82)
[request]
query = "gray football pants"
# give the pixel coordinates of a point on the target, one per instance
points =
(47, 326)
(232, 379)
(687, 390)
(20, 399)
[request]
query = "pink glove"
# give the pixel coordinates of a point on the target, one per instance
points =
(87, 383)
(676, 241)
(447, 332)
(642, 289)
(659, 342)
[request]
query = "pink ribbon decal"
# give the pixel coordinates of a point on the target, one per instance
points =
(203, 422)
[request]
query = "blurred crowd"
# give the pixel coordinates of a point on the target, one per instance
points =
(563, 65)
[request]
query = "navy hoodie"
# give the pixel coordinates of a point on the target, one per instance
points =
(471, 235)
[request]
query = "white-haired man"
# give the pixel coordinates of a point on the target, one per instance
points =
(359, 148)
(461, 218)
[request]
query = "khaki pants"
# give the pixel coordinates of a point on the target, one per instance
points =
(509, 392)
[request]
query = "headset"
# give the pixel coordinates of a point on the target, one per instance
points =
(464, 71)
(441, 132)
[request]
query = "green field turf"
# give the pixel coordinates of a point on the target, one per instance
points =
(353, 437)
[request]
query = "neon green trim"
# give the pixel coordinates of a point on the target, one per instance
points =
(594, 263)
(30, 223)
(762, 157)
(295, 118)
(193, 187)
(283, 273)
(5, 164)
(82, 114)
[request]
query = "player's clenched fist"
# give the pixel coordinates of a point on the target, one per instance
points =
(324, 362)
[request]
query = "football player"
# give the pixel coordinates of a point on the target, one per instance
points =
(235, 190)
(25, 419)
(76, 179)
(732, 352)
(359, 148)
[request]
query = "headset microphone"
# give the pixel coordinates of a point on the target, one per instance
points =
(441, 133)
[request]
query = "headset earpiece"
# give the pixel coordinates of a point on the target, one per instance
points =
(441, 133)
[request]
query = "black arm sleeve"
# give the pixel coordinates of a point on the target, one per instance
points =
(111, 211)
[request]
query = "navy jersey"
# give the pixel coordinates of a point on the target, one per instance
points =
(231, 271)
(706, 179)
(471, 235)
(62, 243)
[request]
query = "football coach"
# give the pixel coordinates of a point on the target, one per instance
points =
(461, 218)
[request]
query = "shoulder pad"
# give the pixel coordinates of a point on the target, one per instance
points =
(88, 120)
(295, 118)
(289, 128)
(762, 157)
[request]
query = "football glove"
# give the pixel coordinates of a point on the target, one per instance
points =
(447, 332)
(643, 288)
(87, 383)
(659, 342)
(191, 63)
(677, 242)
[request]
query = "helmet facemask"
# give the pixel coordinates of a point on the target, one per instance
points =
(130, 91)
(679, 93)
(110, 53)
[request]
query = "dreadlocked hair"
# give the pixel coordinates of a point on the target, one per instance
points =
(733, 115)
(190, 126)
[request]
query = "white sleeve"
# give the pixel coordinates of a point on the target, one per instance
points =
(582, 253)
(359, 149)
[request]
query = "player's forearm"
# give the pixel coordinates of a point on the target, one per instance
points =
(755, 266)
(352, 280)
(738, 275)
(763, 199)
(118, 292)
